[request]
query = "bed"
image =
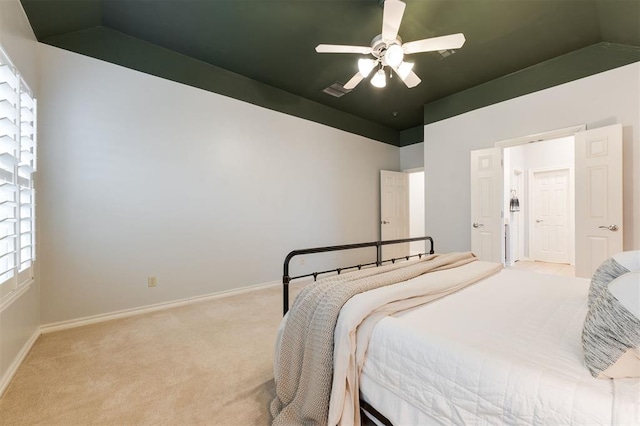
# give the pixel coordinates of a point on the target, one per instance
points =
(503, 349)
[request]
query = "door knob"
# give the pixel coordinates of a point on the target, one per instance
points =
(384, 222)
(477, 225)
(539, 220)
(613, 228)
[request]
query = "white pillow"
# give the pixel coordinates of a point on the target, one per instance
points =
(629, 259)
(627, 290)
(608, 271)
(611, 334)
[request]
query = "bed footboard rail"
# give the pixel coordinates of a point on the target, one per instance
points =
(286, 278)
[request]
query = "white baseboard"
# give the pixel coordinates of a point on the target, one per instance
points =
(78, 322)
(8, 375)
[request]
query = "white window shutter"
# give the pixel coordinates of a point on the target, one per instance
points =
(9, 151)
(26, 196)
(17, 191)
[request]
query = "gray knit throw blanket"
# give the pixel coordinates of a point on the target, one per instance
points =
(305, 373)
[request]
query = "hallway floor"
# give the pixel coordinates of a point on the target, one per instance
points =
(546, 268)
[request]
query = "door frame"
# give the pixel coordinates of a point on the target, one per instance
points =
(411, 200)
(543, 136)
(518, 174)
(571, 213)
(536, 137)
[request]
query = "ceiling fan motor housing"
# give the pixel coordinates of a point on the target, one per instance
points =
(379, 47)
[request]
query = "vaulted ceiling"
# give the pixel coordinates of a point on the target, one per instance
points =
(262, 51)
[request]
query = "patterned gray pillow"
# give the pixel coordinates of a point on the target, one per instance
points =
(611, 334)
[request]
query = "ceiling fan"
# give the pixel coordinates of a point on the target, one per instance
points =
(387, 49)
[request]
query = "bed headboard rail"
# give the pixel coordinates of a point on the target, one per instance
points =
(286, 279)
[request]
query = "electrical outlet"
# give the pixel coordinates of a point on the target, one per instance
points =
(152, 281)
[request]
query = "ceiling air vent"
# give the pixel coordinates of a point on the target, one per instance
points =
(445, 53)
(336, 90)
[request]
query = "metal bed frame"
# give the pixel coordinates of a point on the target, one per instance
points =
(286, 279)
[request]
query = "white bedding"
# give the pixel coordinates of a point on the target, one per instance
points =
(504, 351)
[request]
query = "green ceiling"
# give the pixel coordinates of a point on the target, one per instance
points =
(262, 51)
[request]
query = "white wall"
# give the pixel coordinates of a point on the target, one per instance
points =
(548, 154)
(412, 156)
(513, 159)
(599, 100)
(142, 176)
(18, 40)
(19, 320)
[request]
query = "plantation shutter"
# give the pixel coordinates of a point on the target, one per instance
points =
(17, 164)
(9, 152)
(26, 167)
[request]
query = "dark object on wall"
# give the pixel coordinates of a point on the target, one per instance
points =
(514, 204)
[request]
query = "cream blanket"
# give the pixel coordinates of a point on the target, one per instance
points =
(362, 312)
(306, 362)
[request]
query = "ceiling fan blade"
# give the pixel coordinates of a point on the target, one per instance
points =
(453, 41)
(406, 74)
(340, 48)
(354, 81)
(391, 19)
(411, 80)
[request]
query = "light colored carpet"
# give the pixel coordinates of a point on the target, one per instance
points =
(205, 363)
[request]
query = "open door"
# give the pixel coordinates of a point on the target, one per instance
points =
(394, 212)
(598, 169)
(486, 204)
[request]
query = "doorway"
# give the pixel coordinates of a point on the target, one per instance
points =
(402, 211)
(597, 195)
(539, 223)
(416, 210)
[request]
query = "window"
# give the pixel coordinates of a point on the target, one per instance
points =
(17, 165)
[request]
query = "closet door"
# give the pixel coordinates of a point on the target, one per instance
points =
(486, 204)
(598, 168)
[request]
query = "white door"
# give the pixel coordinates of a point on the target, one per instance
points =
(394, 212)
(486, 204)
(598, 168)
(551, 222)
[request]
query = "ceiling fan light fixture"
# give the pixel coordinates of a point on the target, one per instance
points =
(379, 79)
(404, 69)
(394, 55)
(365, 66)
(388, 49)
